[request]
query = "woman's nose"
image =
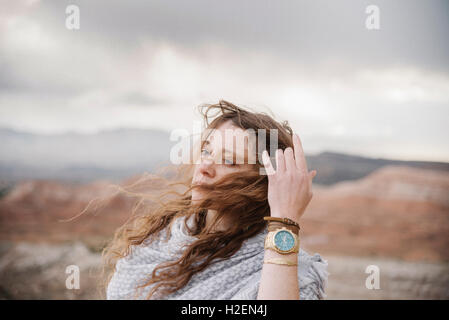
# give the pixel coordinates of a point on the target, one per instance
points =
(207, 167)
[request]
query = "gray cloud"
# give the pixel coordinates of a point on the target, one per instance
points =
(140, 99)
(313, 62)
(412, 32)
(305, 33)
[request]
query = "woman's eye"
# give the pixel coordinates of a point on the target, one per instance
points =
(228, 162)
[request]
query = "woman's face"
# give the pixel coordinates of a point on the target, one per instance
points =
(234, 143)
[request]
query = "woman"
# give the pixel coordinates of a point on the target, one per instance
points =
(214, 239)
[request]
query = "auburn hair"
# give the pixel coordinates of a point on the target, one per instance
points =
(239, 196)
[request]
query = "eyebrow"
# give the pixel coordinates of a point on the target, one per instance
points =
(245, 159)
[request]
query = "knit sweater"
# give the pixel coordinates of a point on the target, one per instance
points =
(235, 278)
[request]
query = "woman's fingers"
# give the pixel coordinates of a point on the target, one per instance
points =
(300, 160)
(312, 175)
(280, 161)
(267, 163)
(289, 160)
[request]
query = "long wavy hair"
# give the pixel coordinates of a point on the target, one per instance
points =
(240, 196)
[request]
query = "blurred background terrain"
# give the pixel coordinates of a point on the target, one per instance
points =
(393, 214)
(92, 91)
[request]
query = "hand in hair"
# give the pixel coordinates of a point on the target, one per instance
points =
(290, 185)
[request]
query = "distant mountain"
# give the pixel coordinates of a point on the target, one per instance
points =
(333, 167)
(118, 154)
(112, 154)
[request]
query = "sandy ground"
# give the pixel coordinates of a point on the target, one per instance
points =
(38, 271)
(397, 279)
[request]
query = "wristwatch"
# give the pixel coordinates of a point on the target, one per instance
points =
(282, 240)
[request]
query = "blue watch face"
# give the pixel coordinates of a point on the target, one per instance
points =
(284, 240)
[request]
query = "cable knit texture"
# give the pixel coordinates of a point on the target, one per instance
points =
(236, 278)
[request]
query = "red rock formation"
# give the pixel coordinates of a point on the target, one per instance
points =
(400, 212)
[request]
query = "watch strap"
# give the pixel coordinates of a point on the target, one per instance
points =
(274, 225)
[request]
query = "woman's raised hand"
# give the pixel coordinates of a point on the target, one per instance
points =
(290, 185)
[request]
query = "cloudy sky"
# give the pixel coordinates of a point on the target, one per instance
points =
(149, 64)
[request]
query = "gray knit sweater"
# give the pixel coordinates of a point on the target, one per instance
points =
(235, 278)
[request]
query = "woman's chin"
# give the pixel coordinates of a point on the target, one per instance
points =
(196, 197)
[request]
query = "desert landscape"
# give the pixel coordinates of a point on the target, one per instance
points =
(396, 218)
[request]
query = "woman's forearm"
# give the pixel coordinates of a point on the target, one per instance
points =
(289, 193)
(279, 282)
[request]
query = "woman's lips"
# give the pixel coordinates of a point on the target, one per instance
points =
(200, 181)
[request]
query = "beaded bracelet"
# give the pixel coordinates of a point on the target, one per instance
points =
(283, 220)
